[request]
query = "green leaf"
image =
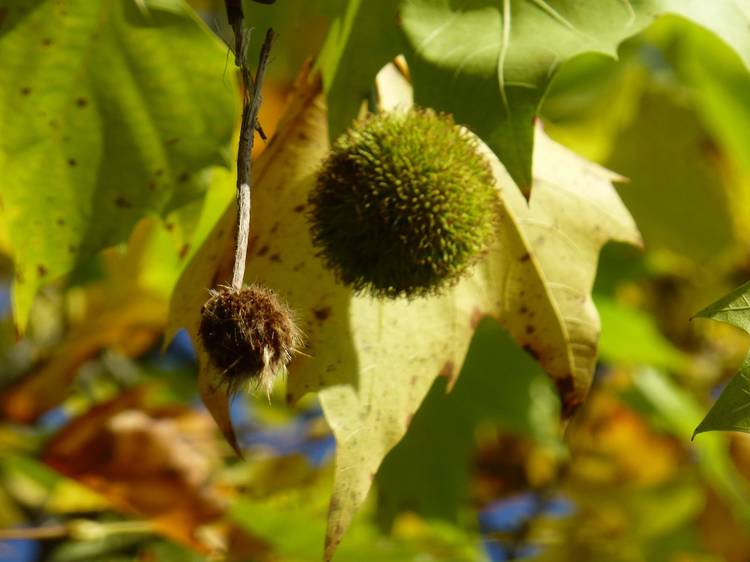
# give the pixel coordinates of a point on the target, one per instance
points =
(490, 62)
(731, 412)
(630, 336)
(499, 384)
(719, 84)
(292, 524)
(373, 361)
(359, 43)
(731, 309)
(697, 183)
(108, 111)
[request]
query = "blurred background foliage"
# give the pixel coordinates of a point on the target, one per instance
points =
(107, 454)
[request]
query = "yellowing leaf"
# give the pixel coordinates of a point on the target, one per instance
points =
(109, 111)
(373, 361)
(126, 310)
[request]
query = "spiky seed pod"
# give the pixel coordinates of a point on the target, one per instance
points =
(403, 204)
(250, 335)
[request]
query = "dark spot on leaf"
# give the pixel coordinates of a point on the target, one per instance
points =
(302, 135)
(158, 173)
(568, 395)
(54, 124)
(299, 208)
(46, 42)
(523, 309)
(298, 266)
(72, 162)
(123, 203)
(152, 185)
(20, 279)
(184, 250)
(409, 418)
(172, 141)
(447, 370)
(25, 91)
(275, 227)
(61, 222)
(530, 329)
(183, 177)
(82, 102)
(528, 349)
(263, 250)
(322, 313)
(41, 270)
(413, 380)
(275, 258)
(72, 249)
(169, 226)
(525, 257)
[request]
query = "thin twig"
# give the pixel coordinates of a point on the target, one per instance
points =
(22, 533)
(250, 107)
(80, 529)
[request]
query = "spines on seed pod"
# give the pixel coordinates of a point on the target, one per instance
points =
(403, 205)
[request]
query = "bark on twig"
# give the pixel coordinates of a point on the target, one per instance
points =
(250, 106)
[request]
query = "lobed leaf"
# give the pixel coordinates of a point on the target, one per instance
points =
(373, 361)
(490, 62)
(108, 109)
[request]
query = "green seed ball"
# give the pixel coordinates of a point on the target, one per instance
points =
(403, 205)
(249, 335)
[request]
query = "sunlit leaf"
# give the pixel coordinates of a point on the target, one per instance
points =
(631, 337)
(640, 153)
(719, 83)
(360, 41)
(498, 384)
(373, 361)
(293, 523)
(125, 310)
(108, 112)
(490, 62)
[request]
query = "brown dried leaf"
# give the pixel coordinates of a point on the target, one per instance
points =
(153, 464)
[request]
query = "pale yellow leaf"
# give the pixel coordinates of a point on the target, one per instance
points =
(373, 361)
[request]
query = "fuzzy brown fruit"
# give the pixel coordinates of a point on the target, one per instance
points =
(249, 334)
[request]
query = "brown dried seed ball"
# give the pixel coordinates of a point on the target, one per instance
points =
(250, 335)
